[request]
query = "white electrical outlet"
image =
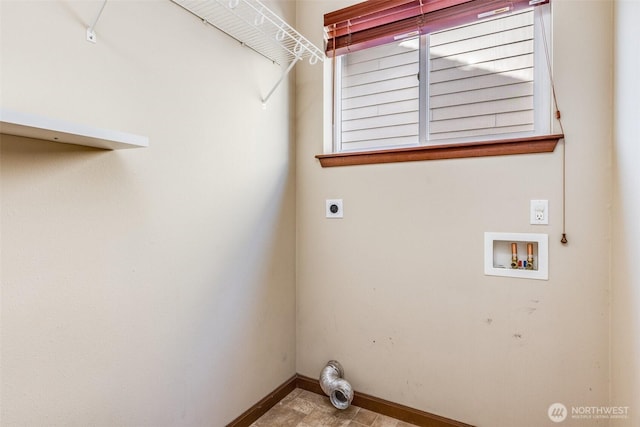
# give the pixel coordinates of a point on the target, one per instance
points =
(334, 208)
(539, 213)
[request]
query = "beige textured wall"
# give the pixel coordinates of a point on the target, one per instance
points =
(625, 317)
(395, 291)
(148, 287)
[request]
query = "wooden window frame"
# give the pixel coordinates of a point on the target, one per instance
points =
(375, 22)
(502, 147)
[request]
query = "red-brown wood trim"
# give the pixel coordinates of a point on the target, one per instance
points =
(362, 400)
(386, 407)
(309, 384)
(537, 144)
(268, 402)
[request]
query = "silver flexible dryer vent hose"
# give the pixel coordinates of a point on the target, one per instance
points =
(335, 386)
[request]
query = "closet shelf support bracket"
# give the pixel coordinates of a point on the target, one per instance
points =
(282, 77)
(91, 30)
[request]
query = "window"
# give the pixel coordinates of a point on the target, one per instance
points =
(378, 98)
(481, 80)
(455, 80)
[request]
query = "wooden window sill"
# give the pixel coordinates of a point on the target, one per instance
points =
(536, 144)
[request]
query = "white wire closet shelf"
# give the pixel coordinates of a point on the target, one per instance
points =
(257, 27)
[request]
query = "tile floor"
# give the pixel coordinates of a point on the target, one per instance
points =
(302, 408)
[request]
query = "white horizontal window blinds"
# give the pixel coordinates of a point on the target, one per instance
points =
(481, 78)
(379, 98)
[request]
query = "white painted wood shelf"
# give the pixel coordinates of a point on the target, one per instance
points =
(48, 129)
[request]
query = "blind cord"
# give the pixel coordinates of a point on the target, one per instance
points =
(564, 240)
